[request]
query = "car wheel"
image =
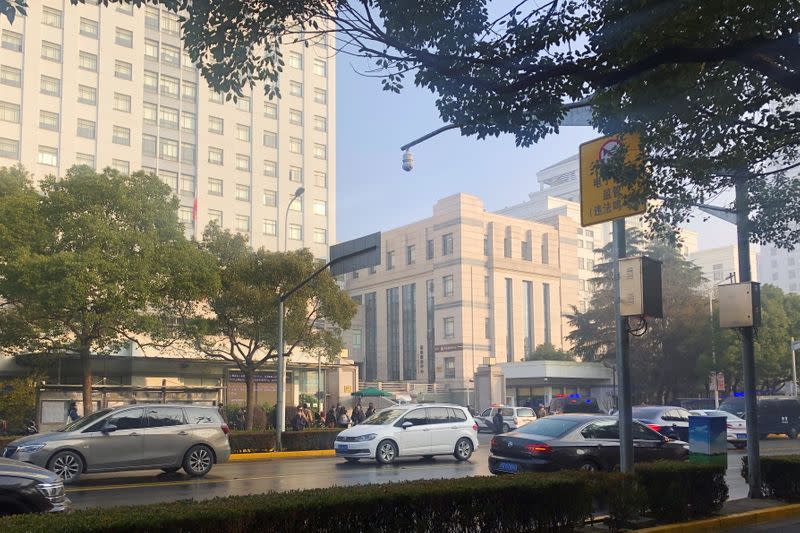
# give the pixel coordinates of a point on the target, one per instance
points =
(506, 429)
(792, 433)
(198, 460)
(386, 452)
(589, 466)
(463, 449)
(171, 470)
(67, 465)
(352, 459)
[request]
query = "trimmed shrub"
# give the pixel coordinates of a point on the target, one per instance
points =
(617, 494)
(264, 441)
(675, 491)
(524, 502)
(780, 476)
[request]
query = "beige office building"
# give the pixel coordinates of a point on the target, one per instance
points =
(458, 287)
(721, 265)
(111, 86)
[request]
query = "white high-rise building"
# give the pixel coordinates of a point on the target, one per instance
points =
(780, 267)
(112, 86)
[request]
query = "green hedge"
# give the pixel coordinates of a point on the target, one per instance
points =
(674, 491)
(264, 441)
(780, 476)
(525, 502)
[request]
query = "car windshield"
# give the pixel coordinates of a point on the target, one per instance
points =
(524, 411)
(549, 427)
(85, 421)
(729, 416)
(387, 416)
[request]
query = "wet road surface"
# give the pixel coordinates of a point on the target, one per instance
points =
(256, 477)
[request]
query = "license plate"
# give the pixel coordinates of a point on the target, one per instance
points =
(341, 446)
(507, 467)
(741, 436)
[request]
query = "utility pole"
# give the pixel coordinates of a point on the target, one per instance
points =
(794, 368)
(713, 351)
(748, 352)
(623, 348)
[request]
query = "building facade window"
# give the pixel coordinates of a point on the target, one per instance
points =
(320, 151)
(149, 145)
(320, 96)
(320, 67)
(429, 249)
(447, 244)
(9, 112)
(243, 132)
(449, 367)
(11, 40)
(52, 17)
(296, 174)
(124, 37)
(189, 91)
(243, 162)
(320, 236)
(168, 117)
(243, 223)
(527, 317)
(295, 117)
(390, 260)
(243, 192)
(545, 255)
(548, 338)
(87, 95)
(243, 103)
(411, 254)
(49, 121)
(448, 286)
(270, 139)
(296, 232)
(9, 148)
(169, 86)
(86, 128)
(10, 76)
(215, 217)
(121, 166)
(150, 81)
(509, 320)
(215, 187)
(270, 110)
(51, 51)
(151, 17)
(50, 86)
(123, 70)
(270, 227)
(296, 88)
(170, 55)
(270, 169)
(122, 102)
(216, 125)
(169, 23)
(269, 198)
(320, 123)
(121, 135)
(393, 334)
(215, 156)
(84, 159)
(295, 145)
(449, 327)
(87, 61)
(409, 331)
(320, 207)
(88, 28)
(150, 113)
(151, 49)
(168, 149)
(370, 337)
(187, 184)
(47, 156)
(188, 122)
(188, 153)
(320, 179)
(295, 60)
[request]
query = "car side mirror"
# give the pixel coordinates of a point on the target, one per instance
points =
(406, 424)
(108, 428)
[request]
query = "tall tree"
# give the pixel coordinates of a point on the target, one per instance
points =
(664, 356)
(548, 352)
(95, 261)
(711, 87)
(240, 324)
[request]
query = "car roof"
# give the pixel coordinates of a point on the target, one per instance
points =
(580, 417)
(178, 405)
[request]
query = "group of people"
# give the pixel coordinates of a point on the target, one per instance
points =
(305, 418)
(338, 417)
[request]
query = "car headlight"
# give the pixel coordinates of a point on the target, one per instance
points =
(51, 490)
(30, 448)
(368, 436)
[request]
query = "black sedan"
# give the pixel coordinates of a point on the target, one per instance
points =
(586, 442)
(26, 488)
(668, 420)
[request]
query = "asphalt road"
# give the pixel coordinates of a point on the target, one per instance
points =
(255, 477)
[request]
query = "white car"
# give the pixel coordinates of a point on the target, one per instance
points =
(408, 430)
(737, 427)
(513, 418)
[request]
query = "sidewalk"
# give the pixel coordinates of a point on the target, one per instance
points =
(742, 516)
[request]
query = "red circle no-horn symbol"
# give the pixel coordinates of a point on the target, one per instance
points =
(609, 148)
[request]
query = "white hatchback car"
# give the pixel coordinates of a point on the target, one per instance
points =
(402, 431)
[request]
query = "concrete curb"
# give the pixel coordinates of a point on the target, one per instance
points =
(280, 455)
(721, 523)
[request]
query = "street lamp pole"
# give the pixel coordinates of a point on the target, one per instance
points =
(280, 406)
(713, 350)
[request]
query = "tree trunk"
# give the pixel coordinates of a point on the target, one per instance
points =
(250, 384)
(86, 367)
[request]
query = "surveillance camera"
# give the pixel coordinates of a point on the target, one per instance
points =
(408, 161)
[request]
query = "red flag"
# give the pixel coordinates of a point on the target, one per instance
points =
(194, 210)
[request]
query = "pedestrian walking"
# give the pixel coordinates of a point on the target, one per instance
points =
(330, 417)
(342, 420)
(222, 414)
(73, 412)
(542, 412)
(299, 422)
(358, 415)
(370, 410)
(240, 418)
(497, 419)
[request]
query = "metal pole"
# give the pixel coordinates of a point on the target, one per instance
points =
(794, 371)
(319, 384)
(280, 407)
(748, 354)
(713, 351)
(623, 366)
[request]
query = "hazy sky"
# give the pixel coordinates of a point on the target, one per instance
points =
(374, 193)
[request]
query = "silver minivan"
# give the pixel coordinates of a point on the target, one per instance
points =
(133, 437)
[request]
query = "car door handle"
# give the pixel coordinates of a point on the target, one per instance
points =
(183, 433)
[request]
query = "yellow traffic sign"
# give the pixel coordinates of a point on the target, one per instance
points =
(601, 200)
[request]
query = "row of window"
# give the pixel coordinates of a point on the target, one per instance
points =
(217, 125)
(169, 86)
(269, 227)
(243, 103)
(168, 149)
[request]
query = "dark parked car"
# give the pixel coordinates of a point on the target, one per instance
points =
(25, 488)
(668, 420)
(776, 414)
(574, 404)
(585, 442)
